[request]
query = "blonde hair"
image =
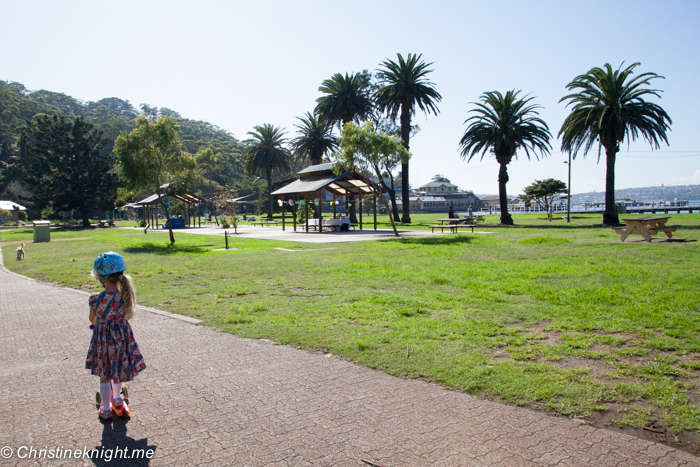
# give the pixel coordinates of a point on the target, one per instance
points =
(126, 290)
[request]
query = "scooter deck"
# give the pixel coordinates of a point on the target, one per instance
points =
(124, 411)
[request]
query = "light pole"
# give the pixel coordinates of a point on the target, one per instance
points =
(568, 199)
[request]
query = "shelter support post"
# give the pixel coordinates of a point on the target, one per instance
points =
(374, 199)
(306, 212)
(320, 211)
(282, 214)
(360, 206)
(335, 213)
(295, 208)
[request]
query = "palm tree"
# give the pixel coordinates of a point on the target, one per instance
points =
(607, 108)
(314, 141)
(266, 153)
(404, 87)
(346, 100)
(502, 125)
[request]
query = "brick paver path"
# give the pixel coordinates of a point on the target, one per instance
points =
(212, 398)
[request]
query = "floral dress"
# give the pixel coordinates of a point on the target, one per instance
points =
(113, 353)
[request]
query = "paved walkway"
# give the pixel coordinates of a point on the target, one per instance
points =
(289, 235)
(216, 399)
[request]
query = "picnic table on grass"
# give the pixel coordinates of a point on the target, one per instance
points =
(454, 224)
(646, 227)
(265, 222)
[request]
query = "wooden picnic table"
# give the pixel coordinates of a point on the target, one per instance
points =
(265, 222)
(456, 220)
(646, 227)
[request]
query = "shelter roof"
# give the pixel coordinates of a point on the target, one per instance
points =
(316, 168)
(238, 200)
(344, 184)
(10, 206)
(186, 198)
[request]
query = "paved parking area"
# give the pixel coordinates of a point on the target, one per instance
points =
(210, 398)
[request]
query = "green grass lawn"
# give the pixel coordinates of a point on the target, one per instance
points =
(550, 315)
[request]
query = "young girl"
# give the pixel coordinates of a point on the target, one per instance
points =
(114, 354)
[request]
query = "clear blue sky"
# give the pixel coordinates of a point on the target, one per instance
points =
(237, 64)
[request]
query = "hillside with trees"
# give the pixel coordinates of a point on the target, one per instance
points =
(110, 115)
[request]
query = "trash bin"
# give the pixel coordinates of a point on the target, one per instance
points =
(621, 209)
(42, 231)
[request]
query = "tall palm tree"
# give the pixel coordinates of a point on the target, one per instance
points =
(404, 86)
(315, 139)
(347, 100)
(608, 107)
(502, 125)
(266, 153)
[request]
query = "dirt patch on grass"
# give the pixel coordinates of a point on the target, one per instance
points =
(597, 367)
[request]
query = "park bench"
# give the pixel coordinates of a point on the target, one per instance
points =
(667, 229)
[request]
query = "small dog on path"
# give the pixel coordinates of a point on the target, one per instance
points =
(20, 252)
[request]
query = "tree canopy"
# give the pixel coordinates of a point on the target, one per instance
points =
(66, 167)
(404, 86)
(346, 99)
(607, 107)
(502, 125)
(367, 151)
(314, 140)
(266, 153)
(544, 192)
(151, 158)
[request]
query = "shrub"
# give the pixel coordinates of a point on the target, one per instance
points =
(22, 215)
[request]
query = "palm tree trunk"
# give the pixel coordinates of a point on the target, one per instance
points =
(506, 218)
(610, 217)
(269, 191)
(405, 137)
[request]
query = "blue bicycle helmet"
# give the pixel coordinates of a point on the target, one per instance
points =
(109, 263)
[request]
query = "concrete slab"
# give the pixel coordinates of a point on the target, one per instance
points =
(288, 235)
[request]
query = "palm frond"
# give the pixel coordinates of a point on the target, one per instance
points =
(608, 106)
(502, 125)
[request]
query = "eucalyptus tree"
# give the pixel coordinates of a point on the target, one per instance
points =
(607, 107)
(266, 153)
(502, 125)
(405, 87)
(366, 151)
(150, 157)
(314, 140)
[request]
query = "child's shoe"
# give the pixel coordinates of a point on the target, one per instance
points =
(118, 406)
(105, 415)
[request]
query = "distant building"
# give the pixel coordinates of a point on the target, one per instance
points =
(439, 196)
